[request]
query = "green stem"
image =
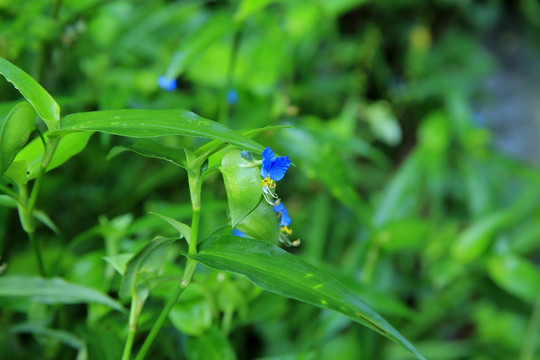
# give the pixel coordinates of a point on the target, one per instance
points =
(527, 352)
(133, 320)
(195, 193)
(37, 252)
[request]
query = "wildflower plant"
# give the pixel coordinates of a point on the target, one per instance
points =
(254, 209)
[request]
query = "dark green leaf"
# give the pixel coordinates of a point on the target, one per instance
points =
(152, 123)
(153, 149)
(36, 95)
(242, 183)
(14, 132)
(275, 270)
(211, 346)
(53, 291)
(147, 259)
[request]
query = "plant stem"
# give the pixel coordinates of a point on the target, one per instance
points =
(134, 312)
(37, 252)
(191, 265)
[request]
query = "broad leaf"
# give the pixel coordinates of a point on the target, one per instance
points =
(147, 259)
(70, 145)
(275, 270)
(53, 291)
(14, 132)
(242, 184)
(151, 123)
(41, 100)
(516, 275)
(153, 149)
(261, 224)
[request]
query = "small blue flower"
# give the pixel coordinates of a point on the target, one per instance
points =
(272, 166)
(283, 215)
(232, 97)
(238, 233)
(167, 84)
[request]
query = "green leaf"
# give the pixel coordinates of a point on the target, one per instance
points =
(250, 7)
(183, 229)
(515, 275)
(192, 314)
(119, 262)
(53, 291)
(261, 224)
(69, 146)
(41, 100)
(153, 149)
(14, 132)
(152, 123)
(211, 346)
(38, 328)
(242, 184)
(148, 259)
(275, 270)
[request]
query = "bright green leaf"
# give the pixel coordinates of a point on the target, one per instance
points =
(53, 291)
(242, 184)
(275, 270)
(14, 132)
(261, 224)
(119, 262)
(36, 95)
(192, 314)
(151, 123)
(515, 275)
(182, 228)
(69, 146)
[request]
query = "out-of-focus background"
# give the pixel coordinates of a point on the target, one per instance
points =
(416, 143)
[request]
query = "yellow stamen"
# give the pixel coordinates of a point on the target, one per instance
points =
(269, 182)
(286, 230)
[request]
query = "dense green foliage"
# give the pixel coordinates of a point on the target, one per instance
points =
(131, 135)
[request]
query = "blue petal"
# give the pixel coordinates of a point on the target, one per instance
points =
(272, 166)
(167, 84)
(238, 233)
(285, 220)
(279, 167)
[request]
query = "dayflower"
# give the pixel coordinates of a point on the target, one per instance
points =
(166, 83)
(272, 166)
(272, 169)
(284, 222)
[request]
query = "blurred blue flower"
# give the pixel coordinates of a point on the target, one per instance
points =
(238, 233)
(167, 84)
(282, 214)
(232, 97)
(272, 166)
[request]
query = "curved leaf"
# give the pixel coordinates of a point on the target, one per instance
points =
(151, 123)
(242, 184)
(275, 270)
(41, 100)
(14, 133)
(53, 291)
(261, 224)
(69, 146)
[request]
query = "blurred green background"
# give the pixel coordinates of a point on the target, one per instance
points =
(415, 132)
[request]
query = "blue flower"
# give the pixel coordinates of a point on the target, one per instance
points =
(167, 84)
(282, 214)
(272, 166)
(232, 97)
(238, 233)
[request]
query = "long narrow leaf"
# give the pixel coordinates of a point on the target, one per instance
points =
(151, 123)
(275, 270)
(36, 95)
